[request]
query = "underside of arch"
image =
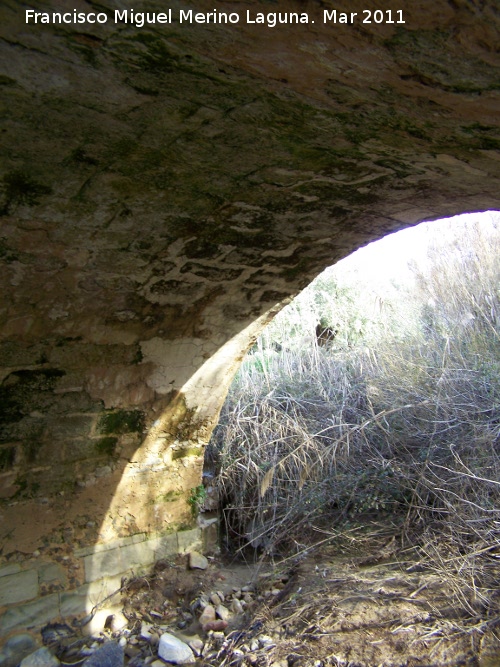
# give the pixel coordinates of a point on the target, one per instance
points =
(164, 191)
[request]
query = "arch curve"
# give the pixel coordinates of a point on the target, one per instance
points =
(164, 191)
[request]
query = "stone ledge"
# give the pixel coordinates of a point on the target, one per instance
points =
(19, 587)
(31, 615)
(116, 544)
(105, 565)
(12, 568)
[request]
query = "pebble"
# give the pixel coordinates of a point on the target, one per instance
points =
(174, 650)
(197, 561)
(216, 600)
(236, 606)
(207, 616)
(203, 601)
(132, 651)
(264, 641)
(41, 658)
(146, 631)
(217, 626)
(222, 612)
(196, 645)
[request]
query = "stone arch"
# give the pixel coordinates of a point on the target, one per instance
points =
(164, 190)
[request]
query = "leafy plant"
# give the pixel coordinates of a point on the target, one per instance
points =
(196, 499)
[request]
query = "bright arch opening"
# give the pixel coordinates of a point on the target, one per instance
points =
(364, 425)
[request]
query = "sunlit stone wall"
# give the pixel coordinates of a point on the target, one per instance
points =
(163, 190)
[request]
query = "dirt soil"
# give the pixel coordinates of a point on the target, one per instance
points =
(334, 606)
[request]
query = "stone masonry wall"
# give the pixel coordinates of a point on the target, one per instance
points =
(164, 191)
(38, 591)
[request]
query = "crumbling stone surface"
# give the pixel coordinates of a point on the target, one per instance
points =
(163, 191)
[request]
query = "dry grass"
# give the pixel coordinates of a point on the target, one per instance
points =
(317, 438)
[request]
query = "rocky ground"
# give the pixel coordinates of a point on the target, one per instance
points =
(333, 607)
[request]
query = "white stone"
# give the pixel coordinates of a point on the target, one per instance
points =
(146, 631)
(98, 622)
(119, 622)
(264, 640)
(174, 650)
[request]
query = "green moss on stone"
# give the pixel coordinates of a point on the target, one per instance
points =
(121, 421)
(186, 451)
(19, 188)
(106, 446)
(169, 497)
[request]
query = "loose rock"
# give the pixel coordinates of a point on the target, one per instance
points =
(236, 606)
(197, 561)
(222, 612)
(217, 626)
(108, 655)
(216, 599)
(207, 616)
(15, 649)
(174, 650)
(197, 646)
(41, 658)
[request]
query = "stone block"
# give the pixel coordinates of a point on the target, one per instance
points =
(49, 573)
(75, 602)
(12, 568)
(77, 449)
(71, 426)
(211, 538)
(18, 587)
(115, 544)
(189, 540)
(31, 615)
(138, 554)
(104, 588)
(165, 546)
(104, 564)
